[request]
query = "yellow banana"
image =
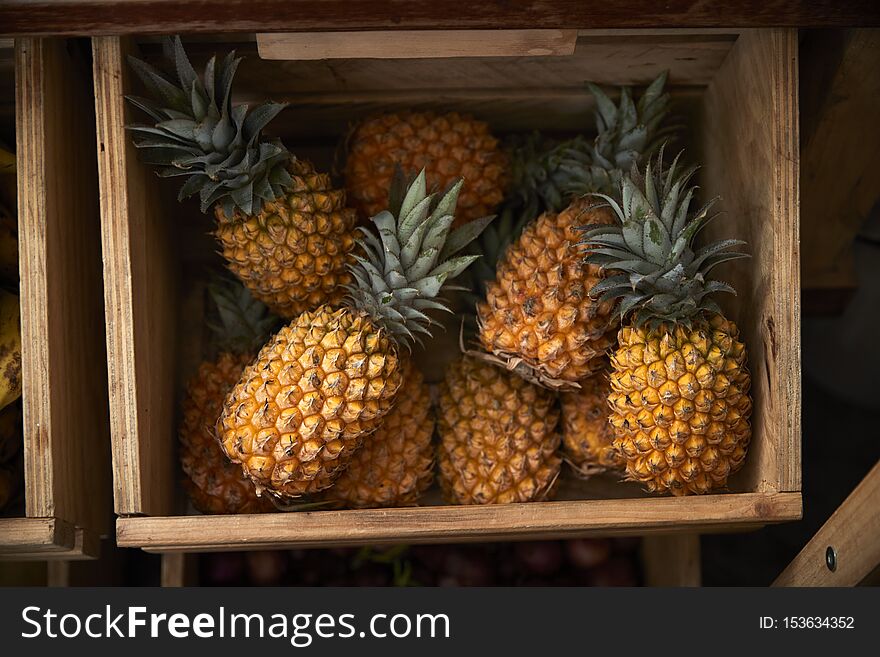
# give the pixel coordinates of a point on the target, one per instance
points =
(10, 348)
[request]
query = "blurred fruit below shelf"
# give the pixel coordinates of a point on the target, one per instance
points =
(577, 562)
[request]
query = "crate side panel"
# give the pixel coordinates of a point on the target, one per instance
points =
(139, 301)
(750, 151)
(65, 390)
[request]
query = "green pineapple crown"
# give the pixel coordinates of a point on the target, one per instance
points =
(627, 133)
(406, 266)
(655, 271)
(546, 175)
(239, 322)
(197, 132)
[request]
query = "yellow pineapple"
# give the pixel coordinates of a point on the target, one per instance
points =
(395, 465)
(587, 436)
(213, 483)
(538, 318)
(679, 397)
(538, 315)
(448, 146)
(498, 436)
(283, 229)
(324, 383)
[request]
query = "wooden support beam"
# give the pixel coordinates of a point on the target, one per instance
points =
(846, 549)
(672, 560)
(179, 569)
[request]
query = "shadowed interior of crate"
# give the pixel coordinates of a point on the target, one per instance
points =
(512, 95)
(16, 507)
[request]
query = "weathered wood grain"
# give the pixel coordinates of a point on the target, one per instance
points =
(852, 532)
(66, 428)
(416, 44)
(139, 302)
(445, 524)
(112, 17)
(749, 152)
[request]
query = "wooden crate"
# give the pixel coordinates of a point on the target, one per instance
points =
(737, 92)
(66, 416)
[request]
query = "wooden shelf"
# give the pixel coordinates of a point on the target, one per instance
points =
(455, 524)
(42, 539)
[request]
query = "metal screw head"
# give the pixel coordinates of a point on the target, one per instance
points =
(831, 558)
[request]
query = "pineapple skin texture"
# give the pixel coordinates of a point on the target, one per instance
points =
(680, 405)
(213, 483)
(303, 408)
(498, 436)
(448, 146)
(395, 465)
(539, 309)
(293, 254)
(587, 437)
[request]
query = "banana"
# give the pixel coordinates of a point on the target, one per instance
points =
(10, 348)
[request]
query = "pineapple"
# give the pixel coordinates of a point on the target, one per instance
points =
(679, 397)
(447, 146)
(213, 483)
(498, 436)
(325, 382)
(586, 435)
(395, 466)
(282, 228)
(538, 318)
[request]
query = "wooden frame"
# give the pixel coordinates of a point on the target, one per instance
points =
(742, 93)
(63, 354)
(114, 17)
(846, 549)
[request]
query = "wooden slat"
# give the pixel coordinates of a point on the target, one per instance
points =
(178, 569)
(24, 537)
(415, 44)
(443, 524)
(67, 459)
(853, 532)
(139, 302)
(750, 157)
(839, 172)
(672, 560)
(102, 17)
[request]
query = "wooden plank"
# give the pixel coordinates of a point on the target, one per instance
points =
(67, 459)
(23, 537)
(750, 156)
(107, 17)
(178, 569)
(444, 524)
(416, 44)
(139, 302)
(840, 178)
(672, 560)
(852, 533)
